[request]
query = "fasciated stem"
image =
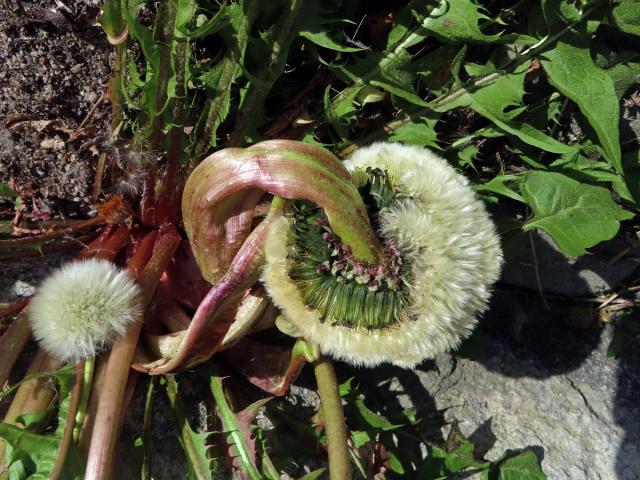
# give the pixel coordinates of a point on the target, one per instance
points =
(109, 410)
(218, 309)
(286, 168)
(333, 418)
(97, 386)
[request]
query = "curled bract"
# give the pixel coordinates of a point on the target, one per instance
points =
(442, 255)
(82, 307)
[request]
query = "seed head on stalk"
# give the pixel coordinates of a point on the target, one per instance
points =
(441, 256)
(82, 307)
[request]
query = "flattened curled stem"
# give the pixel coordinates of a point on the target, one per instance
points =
(289, 169)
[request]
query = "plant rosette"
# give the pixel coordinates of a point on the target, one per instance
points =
(441, 255)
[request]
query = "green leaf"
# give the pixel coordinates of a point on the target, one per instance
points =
(237, 428)
(185, 11)
(572, 71)
(467, 156)
(360, 438)
(500, 102)
(420, 132)
(626, 15)
(625, 73)
(111, 18)
(346, 388)
(576, 215)
(217, 22)
(456, 455)
(321, 37)
(451, 20)
(35, 453)
(524, 466)
(372, 419)
(395, 73)
(394, 463)
(369, 94)
(497, 185)
(630, 188)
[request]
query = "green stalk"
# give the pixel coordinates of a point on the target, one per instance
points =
(164, 71)
(97, 387)
(89, 368)
(147, 429)
(156, 120)
(167, 208)
(116, 83)
(333, 418)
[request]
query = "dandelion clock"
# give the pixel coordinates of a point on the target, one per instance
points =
(440, 255)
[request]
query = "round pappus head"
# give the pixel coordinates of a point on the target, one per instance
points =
(82, 307)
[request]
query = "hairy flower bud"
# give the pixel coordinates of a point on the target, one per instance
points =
(442, 254)
(82, 307)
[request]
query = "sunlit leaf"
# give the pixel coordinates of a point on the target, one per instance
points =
(571, 70)
(524, 466)
(420, 132)
(576, 215)
(626, 16)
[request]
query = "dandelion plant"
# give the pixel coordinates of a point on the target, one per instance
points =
(289, 183)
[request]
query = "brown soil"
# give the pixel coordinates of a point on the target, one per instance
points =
(55, 62)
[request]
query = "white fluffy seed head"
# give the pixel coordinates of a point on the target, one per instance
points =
(442, 229)
(82, 307)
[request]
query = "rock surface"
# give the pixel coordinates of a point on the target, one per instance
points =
(542, 385)
(574, 277)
